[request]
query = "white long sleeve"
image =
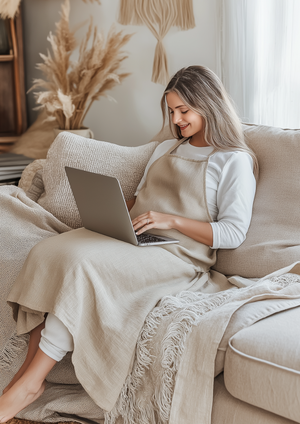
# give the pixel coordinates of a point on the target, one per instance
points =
(230, 190)
(234, 198)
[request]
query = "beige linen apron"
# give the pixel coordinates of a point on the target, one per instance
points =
(102, 289)
(177, 185)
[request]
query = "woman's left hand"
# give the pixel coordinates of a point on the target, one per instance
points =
(152, 219)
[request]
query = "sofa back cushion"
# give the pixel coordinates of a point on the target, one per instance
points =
(125, 163)
(273, 239)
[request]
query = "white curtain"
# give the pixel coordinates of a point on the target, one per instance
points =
(259, 59)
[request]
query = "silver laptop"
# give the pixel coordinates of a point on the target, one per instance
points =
(103, 209)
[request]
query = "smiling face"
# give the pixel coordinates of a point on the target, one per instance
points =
(191, 124)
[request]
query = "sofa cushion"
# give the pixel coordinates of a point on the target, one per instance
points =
(37, 186)
(229, 410)
(262, 364)
(273, 239)
(29, 173)
(248, 315)
(125, 163)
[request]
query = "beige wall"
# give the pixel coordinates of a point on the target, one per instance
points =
(136, 116)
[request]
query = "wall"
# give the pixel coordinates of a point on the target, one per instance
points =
(135, 117)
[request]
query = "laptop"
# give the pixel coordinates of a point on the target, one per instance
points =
(102, 208)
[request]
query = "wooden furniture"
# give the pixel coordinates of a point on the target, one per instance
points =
(13, 119)
(11, 167)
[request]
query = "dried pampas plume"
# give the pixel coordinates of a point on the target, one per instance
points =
(8, 8)
(71, 87)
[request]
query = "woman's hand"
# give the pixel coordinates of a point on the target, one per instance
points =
(152, 219)
(197, 230)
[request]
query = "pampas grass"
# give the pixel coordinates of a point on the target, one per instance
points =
(8, 8)
(70, 87)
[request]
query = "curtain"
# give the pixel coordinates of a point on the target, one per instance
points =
(259, 59)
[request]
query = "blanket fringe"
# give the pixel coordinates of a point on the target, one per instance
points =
(286, 280)
(191, 310)
(14, 346)
(186, 308)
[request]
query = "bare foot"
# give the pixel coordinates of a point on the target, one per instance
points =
(35, 336)
(15, 379)
(17, 398)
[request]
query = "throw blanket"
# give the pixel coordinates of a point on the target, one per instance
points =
(172, 378)
(23, 224)
(173, 371)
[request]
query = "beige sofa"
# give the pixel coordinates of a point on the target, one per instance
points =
(258, 363)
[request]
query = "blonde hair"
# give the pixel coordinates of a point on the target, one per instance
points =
(203, 92)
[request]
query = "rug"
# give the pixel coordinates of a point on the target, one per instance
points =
(18, 421)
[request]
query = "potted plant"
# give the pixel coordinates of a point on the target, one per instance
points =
(70, 87)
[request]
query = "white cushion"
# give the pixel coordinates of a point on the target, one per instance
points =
(229, 410)
(262, 365)
(246, 316)
(125, 163)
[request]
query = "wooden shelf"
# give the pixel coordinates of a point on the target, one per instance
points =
(13, 117)
(8, 138)
(6, 142)
(6, 57)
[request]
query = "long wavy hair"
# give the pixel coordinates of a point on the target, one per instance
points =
(203, 92)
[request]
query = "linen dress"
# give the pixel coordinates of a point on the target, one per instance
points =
(102, 289)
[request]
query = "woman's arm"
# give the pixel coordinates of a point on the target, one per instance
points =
(197, 230)
(235, 196)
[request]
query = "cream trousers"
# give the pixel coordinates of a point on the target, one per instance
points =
(56, 339)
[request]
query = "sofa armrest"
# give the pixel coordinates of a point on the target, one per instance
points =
(29, 172)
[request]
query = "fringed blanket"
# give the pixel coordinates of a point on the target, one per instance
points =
(23, 223)
(173, 371)
(172, 378)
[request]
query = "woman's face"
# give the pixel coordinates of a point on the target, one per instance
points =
(190, 123)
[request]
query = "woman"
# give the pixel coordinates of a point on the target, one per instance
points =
(198, 188)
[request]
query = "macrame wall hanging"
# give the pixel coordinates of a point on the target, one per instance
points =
(159, 16)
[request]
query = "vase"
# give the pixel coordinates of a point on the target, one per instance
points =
(83, 132)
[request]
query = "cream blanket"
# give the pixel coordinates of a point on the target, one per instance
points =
(172, 378)
(23, 223)
(173, 372)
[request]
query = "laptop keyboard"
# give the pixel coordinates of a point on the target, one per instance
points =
(147, 238)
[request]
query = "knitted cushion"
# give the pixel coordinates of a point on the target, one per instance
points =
(125, 163)
(29, 173)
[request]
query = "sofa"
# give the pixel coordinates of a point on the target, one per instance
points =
(257, 367)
